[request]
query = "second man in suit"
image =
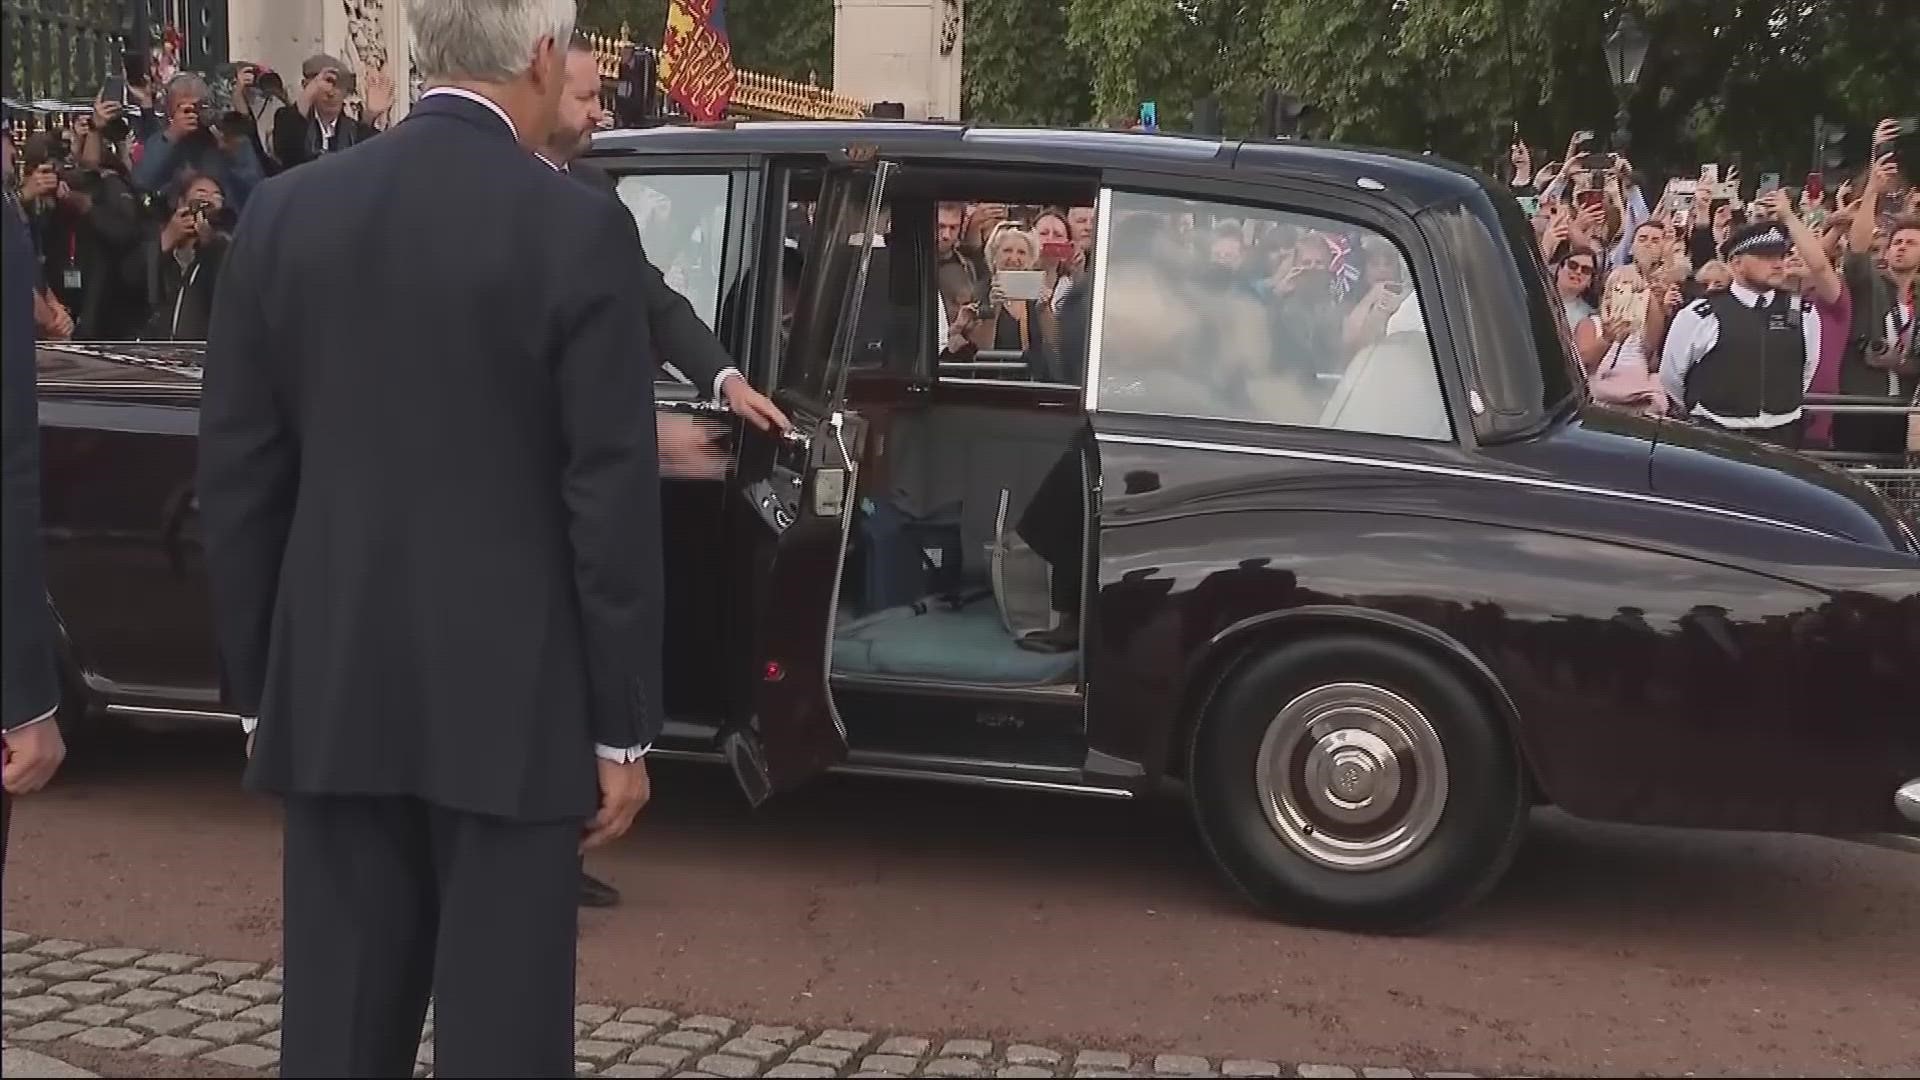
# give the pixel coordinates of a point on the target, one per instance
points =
(688, 447)
(679, 335)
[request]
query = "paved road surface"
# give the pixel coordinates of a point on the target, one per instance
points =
(931, 910)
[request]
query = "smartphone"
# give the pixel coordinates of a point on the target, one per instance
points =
(114, 89)
(1150, 116)
(1710, 173)
(1530, 204)
(1769, 183)
(1020, 284)
(1816, 188)
(1584, 199)
(1057, 250)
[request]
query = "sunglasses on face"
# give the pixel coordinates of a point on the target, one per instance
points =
(1579, 267)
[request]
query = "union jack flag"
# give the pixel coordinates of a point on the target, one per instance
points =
(1346, 268)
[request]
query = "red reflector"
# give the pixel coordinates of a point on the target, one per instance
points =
(773, 672)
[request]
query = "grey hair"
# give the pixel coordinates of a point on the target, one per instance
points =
(484, 40)
(186, 82)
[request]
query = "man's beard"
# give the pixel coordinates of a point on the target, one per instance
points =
(568, 144)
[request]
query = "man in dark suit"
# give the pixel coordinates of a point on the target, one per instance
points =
(430, 497)
(688, 447)
(679, 335)
(28, 683)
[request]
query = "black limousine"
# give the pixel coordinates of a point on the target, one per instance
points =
(1340, 548)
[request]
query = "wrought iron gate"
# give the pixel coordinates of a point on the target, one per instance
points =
(65, 49)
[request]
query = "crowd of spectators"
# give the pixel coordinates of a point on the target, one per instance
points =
(131, 204)
(1644, 285)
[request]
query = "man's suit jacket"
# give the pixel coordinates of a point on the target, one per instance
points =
(679, 335)
(28, 683)
(428, 482)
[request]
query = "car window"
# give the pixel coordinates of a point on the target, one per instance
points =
(1220, 311)
(683, 225)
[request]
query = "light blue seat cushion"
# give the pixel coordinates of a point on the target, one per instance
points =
(965, 646)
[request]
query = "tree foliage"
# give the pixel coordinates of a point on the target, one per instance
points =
(1018, 67)
(1721, 76)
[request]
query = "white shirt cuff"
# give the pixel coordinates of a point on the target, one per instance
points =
(720, 380)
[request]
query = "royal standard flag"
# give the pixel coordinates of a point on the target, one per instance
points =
(696, 60)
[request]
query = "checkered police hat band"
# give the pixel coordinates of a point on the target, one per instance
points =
(1772, 238)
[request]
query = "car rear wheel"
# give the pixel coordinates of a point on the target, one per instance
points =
(1349, 781)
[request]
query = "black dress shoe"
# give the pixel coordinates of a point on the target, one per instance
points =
(597, 893)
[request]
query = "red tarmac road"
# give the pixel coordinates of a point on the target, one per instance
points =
(929, 909)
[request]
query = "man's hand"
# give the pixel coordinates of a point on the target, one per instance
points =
(39, 184)
(753, 406)
(624, 789)
(182, 228)
(1884, 176)
(690, 449)
(34, 754)
(50, 317)
(1776, 204)
(378, 99)
(311, 90)
(1886, 131)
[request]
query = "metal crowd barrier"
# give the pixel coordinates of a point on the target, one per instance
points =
(1895, 474)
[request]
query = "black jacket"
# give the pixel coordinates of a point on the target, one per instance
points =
(428, 481)
(679, 336)
(28, 683)
(176, 301)
(297, 137)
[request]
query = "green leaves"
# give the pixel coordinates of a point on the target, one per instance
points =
(1721, 75)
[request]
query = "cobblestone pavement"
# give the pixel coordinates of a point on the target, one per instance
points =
(227, 1012)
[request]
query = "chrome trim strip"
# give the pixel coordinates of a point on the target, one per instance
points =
(1054, 693)
(983, 781)
(1102, 229)
(1061, 787)
(1465, 474)
(158, 712)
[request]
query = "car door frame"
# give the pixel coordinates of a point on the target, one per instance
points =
(796, 496)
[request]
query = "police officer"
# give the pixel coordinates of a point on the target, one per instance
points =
(1741, 360)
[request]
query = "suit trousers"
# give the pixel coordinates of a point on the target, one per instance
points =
(1054, 524)
(390, 901)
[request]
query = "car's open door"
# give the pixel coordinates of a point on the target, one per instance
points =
(799, 500)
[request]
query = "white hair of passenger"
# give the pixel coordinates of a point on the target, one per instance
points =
(487, 41)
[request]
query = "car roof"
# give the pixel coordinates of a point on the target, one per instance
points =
(1412, 180)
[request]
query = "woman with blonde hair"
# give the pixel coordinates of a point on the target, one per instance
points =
(1023, 325)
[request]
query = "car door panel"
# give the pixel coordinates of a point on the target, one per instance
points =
(796, 500)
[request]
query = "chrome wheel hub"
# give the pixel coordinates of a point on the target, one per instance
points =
(1352, 776)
